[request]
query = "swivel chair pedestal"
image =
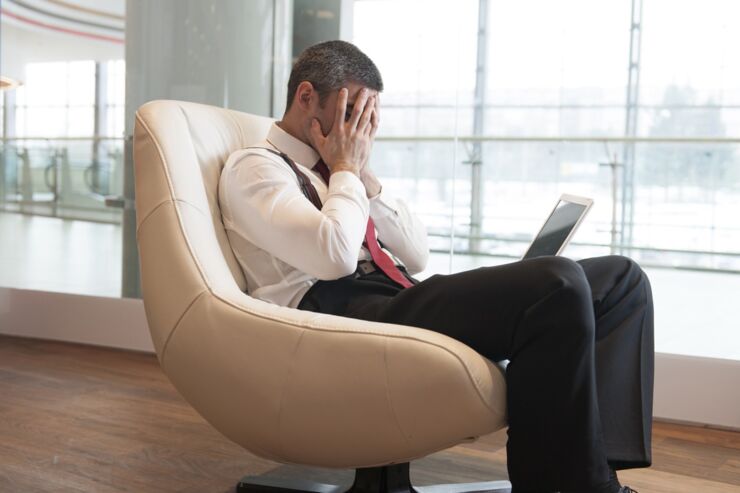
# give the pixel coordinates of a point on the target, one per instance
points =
(386, 479)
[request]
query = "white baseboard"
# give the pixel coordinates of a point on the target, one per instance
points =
(697, 390)
(687, 389)
(111, 322)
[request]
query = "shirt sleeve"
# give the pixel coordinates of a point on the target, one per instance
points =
(269, 210)
(401, 231)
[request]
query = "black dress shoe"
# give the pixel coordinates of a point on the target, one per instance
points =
(627, 489)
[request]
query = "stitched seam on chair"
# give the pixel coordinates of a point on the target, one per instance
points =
(282, 393)
(388, 392)
(281, 319)
(177, 324)
(203, 276)
(292, 323)
(164, 202)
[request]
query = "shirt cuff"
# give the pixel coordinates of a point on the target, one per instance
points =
(380, 206)
(346, 179)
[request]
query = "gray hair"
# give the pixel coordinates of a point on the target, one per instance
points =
(330, 65)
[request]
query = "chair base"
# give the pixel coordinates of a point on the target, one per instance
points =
(385, 479)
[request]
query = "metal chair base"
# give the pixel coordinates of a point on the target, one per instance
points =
(386, 479)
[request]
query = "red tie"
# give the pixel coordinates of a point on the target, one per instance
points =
(381, 259)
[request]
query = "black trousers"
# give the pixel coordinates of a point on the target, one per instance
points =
(579, 340)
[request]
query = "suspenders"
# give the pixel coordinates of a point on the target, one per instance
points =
(380, 259)
(304, 182)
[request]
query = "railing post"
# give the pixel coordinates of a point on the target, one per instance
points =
(26, 178)
(8, 132)
(630, 127)
(64, 185)
(614, 165)
(476, 160)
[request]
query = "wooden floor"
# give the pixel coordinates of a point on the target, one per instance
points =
(82, 419)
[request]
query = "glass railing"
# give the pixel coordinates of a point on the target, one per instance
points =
(61, 177)
(676, 203)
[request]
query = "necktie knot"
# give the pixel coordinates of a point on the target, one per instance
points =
(323, 170)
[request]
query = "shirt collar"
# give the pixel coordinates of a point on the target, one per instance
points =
(296, 150)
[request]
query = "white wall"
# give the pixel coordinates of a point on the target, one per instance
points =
(111, 322)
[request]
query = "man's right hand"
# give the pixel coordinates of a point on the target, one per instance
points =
(347, 145)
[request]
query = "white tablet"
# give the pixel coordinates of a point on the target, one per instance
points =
(559, 227)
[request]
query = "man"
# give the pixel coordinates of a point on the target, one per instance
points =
(312, 229)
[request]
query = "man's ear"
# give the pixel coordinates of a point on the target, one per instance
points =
(303, 95)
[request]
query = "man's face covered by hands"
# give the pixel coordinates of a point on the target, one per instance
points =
(342, 130)
(326, 115)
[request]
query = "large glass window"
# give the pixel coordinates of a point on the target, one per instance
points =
(57, 99)
(494, 108)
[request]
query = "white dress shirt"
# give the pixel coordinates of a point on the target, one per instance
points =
(284, 244)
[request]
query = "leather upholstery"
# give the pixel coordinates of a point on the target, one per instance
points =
(288, 385)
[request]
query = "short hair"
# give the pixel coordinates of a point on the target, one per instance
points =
(330, 65)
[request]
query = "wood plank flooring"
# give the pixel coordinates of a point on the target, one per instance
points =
(83, 419)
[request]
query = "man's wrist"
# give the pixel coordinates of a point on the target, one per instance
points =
(345, 167)
(371, 182)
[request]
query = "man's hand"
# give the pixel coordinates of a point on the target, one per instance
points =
(347, 146)
(372, 185)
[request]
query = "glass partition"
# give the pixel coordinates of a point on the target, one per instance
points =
(61, 150)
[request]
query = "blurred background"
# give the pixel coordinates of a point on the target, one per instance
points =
(491, 110)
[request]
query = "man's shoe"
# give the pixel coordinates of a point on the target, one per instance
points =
(625, 489)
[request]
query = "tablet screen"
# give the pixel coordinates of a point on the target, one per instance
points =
(558, 226)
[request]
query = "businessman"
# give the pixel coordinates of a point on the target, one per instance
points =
(312, 229)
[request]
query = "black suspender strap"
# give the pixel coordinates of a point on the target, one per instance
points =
(303, 181)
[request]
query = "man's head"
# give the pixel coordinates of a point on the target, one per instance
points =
(318, 74)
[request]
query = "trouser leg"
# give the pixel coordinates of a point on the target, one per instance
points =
(624, 357)
(538, 314)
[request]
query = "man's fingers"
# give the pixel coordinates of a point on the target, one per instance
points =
(316, 135)
(341, 109)
(374, 122)
(367, 114)
(359, 107)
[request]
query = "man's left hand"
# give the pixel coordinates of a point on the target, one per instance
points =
(368, 178)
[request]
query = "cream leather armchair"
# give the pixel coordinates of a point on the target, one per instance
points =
(291, 386)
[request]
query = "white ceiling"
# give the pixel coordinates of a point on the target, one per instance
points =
(57, 30)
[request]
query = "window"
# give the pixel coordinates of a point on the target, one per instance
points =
(482, 152)
(57, 99)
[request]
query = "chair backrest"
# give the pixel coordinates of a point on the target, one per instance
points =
(179, 151)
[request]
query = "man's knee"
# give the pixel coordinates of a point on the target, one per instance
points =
(571, 300)
(562, 273)
(628, 272)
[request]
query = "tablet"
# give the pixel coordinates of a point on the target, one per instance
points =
(559, 227)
